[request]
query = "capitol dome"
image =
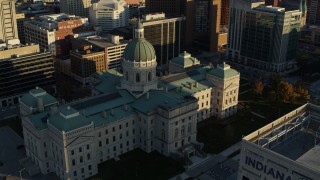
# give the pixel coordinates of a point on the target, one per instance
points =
(139, 65)
(139, 49)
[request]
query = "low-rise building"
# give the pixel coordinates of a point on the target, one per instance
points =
(22, 68)
(85, 62)
(287, 148)
(132, 110)
(51, 31)
(93, 54)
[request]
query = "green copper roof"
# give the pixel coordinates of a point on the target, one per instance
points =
(223, 71)
(30, 99)
(108, 81)
(40, 120)
(185, 60)
(76, 119)
(139, 50)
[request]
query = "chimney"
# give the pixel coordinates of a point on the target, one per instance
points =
(104, 114)
(40, 104)
(196, 84)
(148, 95)
(53, 110)
(126, 107)
(166, 89)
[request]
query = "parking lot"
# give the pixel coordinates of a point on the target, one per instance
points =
(11, 152)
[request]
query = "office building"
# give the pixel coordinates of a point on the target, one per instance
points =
(78, 8)
(171, 8)
(274, 3)
(224, 13)
(287, 148)
(129, 111)
(109, 14)
(92, 54)
(8, 23)
(206, 22)
(314, 12)
(167, 35)
(20, 25)
(262, 39)
(85, 62)
(51, 31)
(22, 67)
(315, 35)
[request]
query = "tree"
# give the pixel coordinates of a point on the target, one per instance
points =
(287, 92)
(275, 81)
(301, 91)
(274, 93)
(257, 87)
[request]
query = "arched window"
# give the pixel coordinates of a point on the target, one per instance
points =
(137, 77)
(149, 76)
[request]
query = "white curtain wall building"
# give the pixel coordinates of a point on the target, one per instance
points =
(109, 14)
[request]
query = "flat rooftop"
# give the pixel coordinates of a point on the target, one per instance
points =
(295, 136)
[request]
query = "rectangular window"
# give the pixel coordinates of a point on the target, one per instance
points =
(107, 141)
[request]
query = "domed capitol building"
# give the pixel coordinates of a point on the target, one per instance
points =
(128, 110)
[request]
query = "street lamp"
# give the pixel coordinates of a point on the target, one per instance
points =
(20, 173)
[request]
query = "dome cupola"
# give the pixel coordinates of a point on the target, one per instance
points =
(139, 49)
(139, 64)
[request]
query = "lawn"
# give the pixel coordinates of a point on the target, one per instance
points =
(137, 164)
(217, 137)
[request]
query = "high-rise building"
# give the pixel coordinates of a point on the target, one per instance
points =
(224, 13)
(272, 2)
(8, 23)
(206, 22)
(22, 67)
(262, 38)
(51, 31)
(20, 25)
(109, 14)
(78, 8)
(314, 12)
(167, 35)
(169, 7)
(205, 19)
